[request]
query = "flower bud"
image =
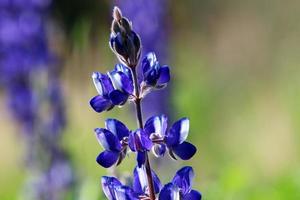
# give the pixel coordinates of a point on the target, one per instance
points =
(124, 42)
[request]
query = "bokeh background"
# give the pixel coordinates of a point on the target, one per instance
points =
(235, 73)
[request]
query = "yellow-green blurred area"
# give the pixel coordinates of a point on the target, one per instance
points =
(235, 73)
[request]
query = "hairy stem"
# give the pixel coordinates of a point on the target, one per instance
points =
(140, 123)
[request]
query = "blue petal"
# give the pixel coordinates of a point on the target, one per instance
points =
(145, 140)
(141, 158)
(122, 68)
(102, 83)
(118, 98)
(140, 182)
(193, 195)
(114, 190)
(117, 128)
(178, 132)
(125, 193)
(185, 151)
(121, 82)
(99, 104)
(107, 158)
(108, 140)
(184, 179)
(156, 124)
(148, 61)
(164, 75)
(108, 186)
(169, 192)
(150, 67)
(140, 141)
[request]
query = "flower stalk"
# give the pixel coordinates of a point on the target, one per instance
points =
(139, 117)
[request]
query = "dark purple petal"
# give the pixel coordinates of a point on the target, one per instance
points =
(178, 132)
(108, 140)
(99, 104)
(156, 124)
(164, 75)
(159, 150)
(152, 76)
(117, 128)
(192, 195)
(185, 151)
(108, 186)
(118, 44)
(107, 158)
(137, 44)
(141, 158)
(118, 98)
(169, 192)
(184, 179)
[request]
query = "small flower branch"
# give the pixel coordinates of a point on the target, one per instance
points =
(139, 117)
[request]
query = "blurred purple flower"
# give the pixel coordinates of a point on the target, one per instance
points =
(29, 74)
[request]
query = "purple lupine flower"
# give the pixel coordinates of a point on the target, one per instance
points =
(114, 140)
(154, 74)
(173, 139)
(180, 187)
(140, 142)
(114, 88)
(103, 86)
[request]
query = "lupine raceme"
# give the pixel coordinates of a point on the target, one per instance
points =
(116, 88)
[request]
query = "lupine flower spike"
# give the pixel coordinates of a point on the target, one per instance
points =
(116, 88)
